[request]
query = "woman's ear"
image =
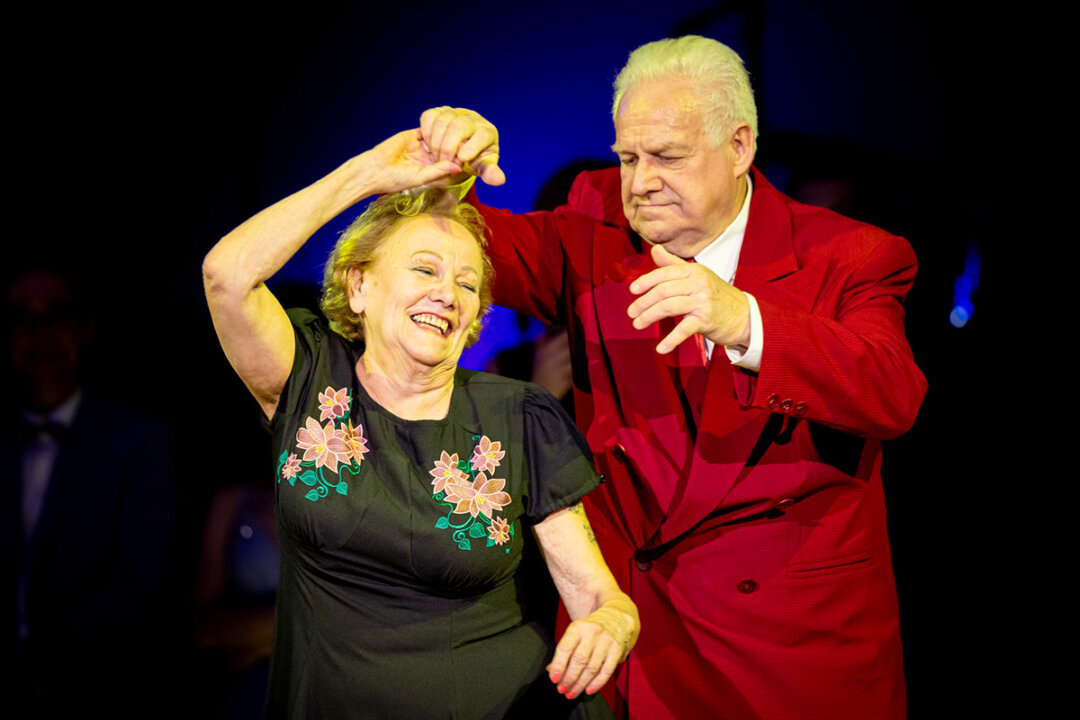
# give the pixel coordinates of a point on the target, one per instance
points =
(355, 282)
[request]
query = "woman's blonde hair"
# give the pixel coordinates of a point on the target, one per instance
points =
(358, 247)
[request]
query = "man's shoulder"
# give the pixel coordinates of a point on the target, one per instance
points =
(597, 194)
(812, 226)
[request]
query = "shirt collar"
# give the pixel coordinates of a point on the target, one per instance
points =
(722, 254)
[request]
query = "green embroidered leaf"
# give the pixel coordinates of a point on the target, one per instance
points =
(284, 455)
(477, 530)
(442, 523)
(292, 481)
(465, 544)
(309, 478)
(311, 495)
(490, 542)
(342, 488)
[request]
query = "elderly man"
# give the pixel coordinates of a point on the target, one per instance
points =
(738, 357)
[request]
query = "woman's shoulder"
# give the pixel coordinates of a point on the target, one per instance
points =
(323, 363)
(306, 320)
(497, 394)
(499, 385)
(313, 332)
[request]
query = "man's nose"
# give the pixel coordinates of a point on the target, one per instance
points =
(645, 179)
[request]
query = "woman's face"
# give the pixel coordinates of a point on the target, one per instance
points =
(421, 295)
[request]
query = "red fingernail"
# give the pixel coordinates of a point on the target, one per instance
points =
(571, 696)
(561, 689)
(590, 690)
(556, 677)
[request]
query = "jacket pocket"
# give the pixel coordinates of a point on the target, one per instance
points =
(833, 566)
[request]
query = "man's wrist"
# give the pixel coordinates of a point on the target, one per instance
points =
(748, 356)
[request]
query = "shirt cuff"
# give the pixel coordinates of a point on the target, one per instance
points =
(749, 357)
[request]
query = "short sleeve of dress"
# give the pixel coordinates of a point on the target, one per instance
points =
(561, 469)
(309, 330)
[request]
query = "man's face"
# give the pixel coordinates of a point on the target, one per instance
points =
(677, 189)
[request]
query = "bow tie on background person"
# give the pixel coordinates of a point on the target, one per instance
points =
(27, 433)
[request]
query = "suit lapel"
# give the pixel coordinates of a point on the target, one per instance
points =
(728, 430)
(649, 418)
(66, 488)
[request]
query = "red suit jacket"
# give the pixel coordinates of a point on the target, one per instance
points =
(743, 512)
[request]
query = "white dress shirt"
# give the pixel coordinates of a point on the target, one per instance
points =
(722, 257)
(39, 458)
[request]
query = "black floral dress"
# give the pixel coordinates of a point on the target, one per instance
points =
(401, 541)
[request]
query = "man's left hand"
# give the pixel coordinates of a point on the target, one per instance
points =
(706, 304)
(464, 137)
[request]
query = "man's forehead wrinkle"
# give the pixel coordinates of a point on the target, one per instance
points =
(674, 134)
(658, 124)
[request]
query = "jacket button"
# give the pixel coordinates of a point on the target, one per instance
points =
(619, 452)
(746, 586)
(785, 406)
(643, 565)
(800, 409)
(773, 401)
(785, 503)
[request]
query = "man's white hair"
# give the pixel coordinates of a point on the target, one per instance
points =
(720, 81)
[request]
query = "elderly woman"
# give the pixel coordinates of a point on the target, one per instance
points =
(404, 483)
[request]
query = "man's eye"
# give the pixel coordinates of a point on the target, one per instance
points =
(628, 161)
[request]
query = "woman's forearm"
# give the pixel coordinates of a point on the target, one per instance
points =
(605, 620)
(258, 248)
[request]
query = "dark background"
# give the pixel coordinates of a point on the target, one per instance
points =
(140, 137)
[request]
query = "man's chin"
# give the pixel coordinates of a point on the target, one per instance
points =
(673, 243)
(654, 231)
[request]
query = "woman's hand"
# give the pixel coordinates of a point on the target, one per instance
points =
(591, 648)
(401, 162)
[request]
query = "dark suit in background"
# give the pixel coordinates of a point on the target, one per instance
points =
(100, 619)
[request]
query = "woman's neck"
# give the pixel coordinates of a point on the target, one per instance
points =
(411, 393)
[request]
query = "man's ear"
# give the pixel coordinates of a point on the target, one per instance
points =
(742, 142)
(355, 283)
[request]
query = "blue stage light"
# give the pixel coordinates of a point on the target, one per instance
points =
(967, 282)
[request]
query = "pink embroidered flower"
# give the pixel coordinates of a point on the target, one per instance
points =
(456, 489)
(446, 472)
(322, 444)
(291, 467)
(499, 531)
(486, 455)
(333, 403)
(482, 497)
(354, 440)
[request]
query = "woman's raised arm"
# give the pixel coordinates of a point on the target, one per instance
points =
(250, 323)
(604, 619)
